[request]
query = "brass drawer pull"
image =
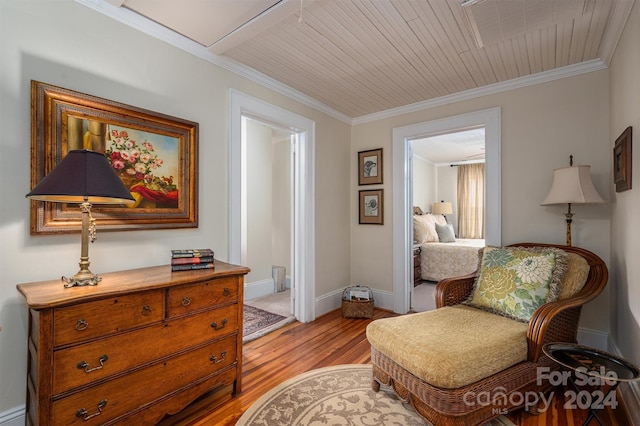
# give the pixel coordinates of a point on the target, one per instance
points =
(226, 292)
(215, 360)
(214, 325)
(84, 365)
(82, 413)
(186, 301)
(146, 310)
(81, 325)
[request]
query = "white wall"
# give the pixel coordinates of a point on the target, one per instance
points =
(281, 205)
(432, 183)
(259, 201)
(447, 190)
(424, 183)
(624, 268)
(69, 45)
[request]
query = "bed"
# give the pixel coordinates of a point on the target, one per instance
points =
(441, 254)
(445, 260)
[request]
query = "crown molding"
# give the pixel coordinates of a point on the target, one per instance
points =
(160, 32)
(140, 23)
(516, 83)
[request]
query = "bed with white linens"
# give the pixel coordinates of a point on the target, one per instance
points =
(441, 254)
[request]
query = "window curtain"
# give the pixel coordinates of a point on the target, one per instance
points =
(471, 200)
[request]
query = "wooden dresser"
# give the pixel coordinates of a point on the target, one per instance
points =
(141, 344)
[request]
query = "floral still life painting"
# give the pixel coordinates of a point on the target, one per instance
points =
(147, 168)
(155, 156)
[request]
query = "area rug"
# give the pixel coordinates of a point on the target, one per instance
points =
(336, 395)
(258, 322)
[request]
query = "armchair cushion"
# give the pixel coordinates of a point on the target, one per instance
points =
(575, 276)
(482, 345)
(515, 281)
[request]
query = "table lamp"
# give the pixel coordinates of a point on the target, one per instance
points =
(443, 208)
(83, 177)
(572, 185)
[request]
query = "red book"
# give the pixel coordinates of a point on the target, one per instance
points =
(191, 260)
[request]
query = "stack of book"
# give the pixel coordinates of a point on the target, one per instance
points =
(188, 259)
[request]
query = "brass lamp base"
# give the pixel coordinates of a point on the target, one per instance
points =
(79, 281)
(569, 217)
(84, 276)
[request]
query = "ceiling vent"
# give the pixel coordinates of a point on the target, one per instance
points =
(491, 21)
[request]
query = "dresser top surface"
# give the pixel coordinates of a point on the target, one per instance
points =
(52, 293)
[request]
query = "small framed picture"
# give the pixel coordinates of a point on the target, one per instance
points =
(622, 161)
(370, 167)
(371, 207)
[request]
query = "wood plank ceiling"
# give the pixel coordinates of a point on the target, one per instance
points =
(361, 57)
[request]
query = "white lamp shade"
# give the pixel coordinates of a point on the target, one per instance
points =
(442, 208)
(572, 185)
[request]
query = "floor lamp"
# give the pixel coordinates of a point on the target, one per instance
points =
(572, 185)
(83, 177)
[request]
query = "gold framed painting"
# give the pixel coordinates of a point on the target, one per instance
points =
(371, 207)
(622, 161)
(370, 167)
(154, 154)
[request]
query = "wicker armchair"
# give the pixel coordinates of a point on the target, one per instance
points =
(552, 322)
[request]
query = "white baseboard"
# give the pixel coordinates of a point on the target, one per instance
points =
(13, 416)
(258, 289)
(332, 301)
(594, 339)
(262, 288)
(328, 302)
(630, 391)
(383, 299)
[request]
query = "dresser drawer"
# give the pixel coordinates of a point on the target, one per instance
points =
(102, 317)
(117, 397)
(208, 294)
(82, 364)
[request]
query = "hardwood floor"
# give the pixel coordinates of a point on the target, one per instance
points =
(331, 340)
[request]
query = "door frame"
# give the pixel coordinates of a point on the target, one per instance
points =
(303, 249)
(403, 190)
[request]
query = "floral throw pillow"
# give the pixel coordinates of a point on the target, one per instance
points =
(515, 281)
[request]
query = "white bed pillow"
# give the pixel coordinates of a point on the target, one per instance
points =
(424, 229)
(439, 219)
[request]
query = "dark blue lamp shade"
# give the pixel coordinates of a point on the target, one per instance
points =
(81, 176)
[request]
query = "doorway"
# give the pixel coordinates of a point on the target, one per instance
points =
(403, 190)
(435, 162)
(268, 213)
(302, 201)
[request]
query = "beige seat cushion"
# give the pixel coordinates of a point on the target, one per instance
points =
(452, 346)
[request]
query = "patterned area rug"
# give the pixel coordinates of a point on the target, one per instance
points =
(337, 395)
(258, 322)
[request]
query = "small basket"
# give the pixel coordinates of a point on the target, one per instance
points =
(357, 302)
